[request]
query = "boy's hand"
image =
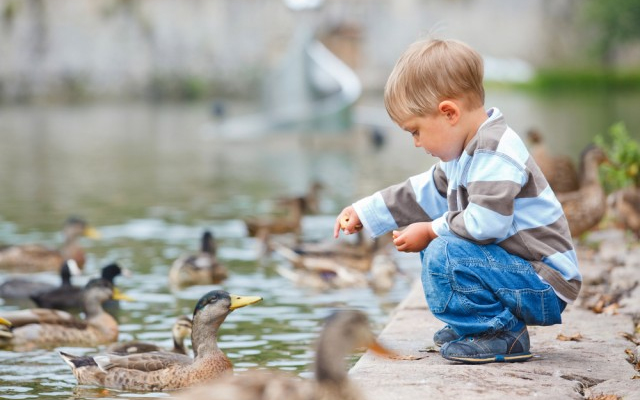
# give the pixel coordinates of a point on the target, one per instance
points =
(347, 221)
(414, 238)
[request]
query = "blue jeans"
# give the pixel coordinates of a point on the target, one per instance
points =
(483, 288)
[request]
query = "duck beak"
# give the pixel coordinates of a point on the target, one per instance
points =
(118, 295)
(5, 322)
(242, 301)
(91, 232)
(381, 350)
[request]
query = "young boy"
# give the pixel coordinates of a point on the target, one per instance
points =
(495, 246)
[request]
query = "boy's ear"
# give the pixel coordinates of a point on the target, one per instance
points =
(450, 110)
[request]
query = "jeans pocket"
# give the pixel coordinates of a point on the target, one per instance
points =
(437, 290)
(533, 306)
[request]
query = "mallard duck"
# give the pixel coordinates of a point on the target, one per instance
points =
(324, 266)
(158, 371)
(560, 171)
(309, 202)
(24, 288)
(585, 207)
(35, 257)
(71, 297)
(343, 332)
(34, 328)
(180, 331)
(287, 221)
(198, 269)
(625, 207)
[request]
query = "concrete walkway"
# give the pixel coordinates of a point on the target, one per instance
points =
(590, 363)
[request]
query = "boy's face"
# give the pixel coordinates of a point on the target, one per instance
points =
(436, 135)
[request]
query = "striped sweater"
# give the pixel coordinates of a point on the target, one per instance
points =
(493, 193)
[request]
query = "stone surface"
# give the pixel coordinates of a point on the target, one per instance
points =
(593, 364)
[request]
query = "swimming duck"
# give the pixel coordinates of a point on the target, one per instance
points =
(198, 269)
(158, 371)
(625, 208)
(287, 221)
(309, 202)
(35, 257)
(180, 331)
(35, 328)
(560, 171)
(343, 332)
(323, 266)
(24, 288)
(71, 297)
(585, 207)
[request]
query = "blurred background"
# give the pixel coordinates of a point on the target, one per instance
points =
(156, 120)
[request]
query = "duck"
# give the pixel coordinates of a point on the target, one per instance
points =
(288, 220)
(23, 288)
(69, 297)
(343, 331)
(624, 205)
(584, 208)
(37, 258)
(309, 202)
(202, 268)
(323, 267)
(180, 331)
(159, 371)
(560, 171)
(46, 328)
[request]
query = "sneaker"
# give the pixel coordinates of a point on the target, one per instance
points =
(503, 346)
(445, 335)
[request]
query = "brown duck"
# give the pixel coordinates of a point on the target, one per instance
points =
(25, 287)
(585, 207)
(560, 171)
(625, 208)
(180, 331)
(35, 257)
(202, 268)
(158, 371)
(343, 332)
(39, 327)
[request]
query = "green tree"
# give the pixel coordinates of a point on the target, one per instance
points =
(616, 22)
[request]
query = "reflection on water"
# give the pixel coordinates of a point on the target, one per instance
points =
(151, 183)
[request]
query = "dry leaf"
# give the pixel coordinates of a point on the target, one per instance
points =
(573, 338)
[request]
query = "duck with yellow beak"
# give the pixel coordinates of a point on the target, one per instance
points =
(157, 371)
(45, 328)
(343, 332)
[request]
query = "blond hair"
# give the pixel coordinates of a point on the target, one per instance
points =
(429, 72)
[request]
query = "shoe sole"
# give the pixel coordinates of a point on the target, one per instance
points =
(496, 358)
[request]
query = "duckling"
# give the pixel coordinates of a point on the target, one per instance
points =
(157, 371)
(34, 257)
(70, 298)
(198, 269)
(24, 288)
(343, 332)
(625, 207)
(585, 207)
(36, 328)
(181, 329)
(560, 171)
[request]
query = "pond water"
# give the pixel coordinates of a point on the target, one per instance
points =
(151, 182)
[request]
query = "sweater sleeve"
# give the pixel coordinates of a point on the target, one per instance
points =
(420, 198)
